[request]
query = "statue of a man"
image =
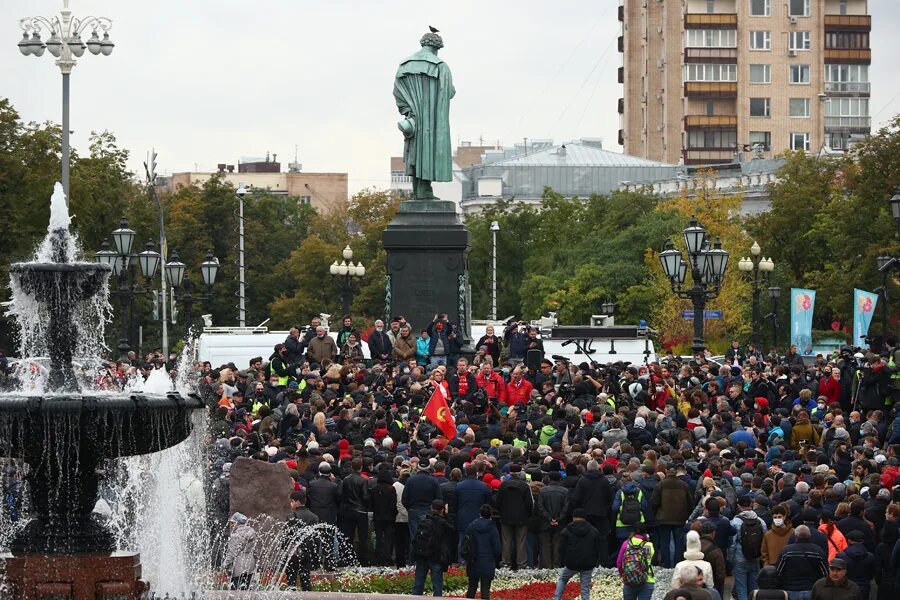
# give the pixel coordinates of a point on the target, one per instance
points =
(423, 88)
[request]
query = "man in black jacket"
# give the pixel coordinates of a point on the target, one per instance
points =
(462, 383)
(419, 492)
(554, 498)
(594, 494)
(324, 495)
(855, 522)
(380, 345)
(430, 549)
(294, 346)
(515, 503)
(300, 562)
(581, 547)
(354, 515)
(802, 563)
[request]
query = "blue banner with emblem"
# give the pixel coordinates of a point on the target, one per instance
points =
(863, 310)
(803, 302)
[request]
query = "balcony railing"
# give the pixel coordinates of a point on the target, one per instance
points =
(842, 56)
(710, 121)
(708, 157)
(848, 87)
(710, 55)
(710, 89)
(401, 179)
(848, 22)
(710, 21)
(848, 122)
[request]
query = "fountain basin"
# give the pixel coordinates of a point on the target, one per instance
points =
(64, 439)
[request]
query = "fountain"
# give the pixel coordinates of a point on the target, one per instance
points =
(65, 434)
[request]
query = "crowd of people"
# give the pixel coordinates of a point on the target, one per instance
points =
(766, 476)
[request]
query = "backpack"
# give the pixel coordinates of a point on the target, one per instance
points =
(426, 540)
(630, 512)
(636, 563)
(467, 548)
(751, 538)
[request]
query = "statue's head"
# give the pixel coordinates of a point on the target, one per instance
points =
(433, 40)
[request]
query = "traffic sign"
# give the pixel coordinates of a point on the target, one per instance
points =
(707, 314)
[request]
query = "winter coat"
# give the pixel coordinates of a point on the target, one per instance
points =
(514, 502)
(384, 502)
(353, 354)
(825, 589)
(860, 567)
(439, 551)
(404, 348)
(850, 522)
(693, 557)
(592, 493)
(355, 493)
(321, 348)
(636, 540)
(619, 499)
(402, 515)
(448, 495)
(736, 551)
(380, 345)
(671, 502)
(420, 490)
(716, 558)
(774, 540)
(835, 540)
(422, 350)
(800, 565)
(470, 494)
(554, 500)
(323, 497)
(805, 435)
(580, 546)
(240, 554)
(486, 546)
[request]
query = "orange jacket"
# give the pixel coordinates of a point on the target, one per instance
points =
(836, 540)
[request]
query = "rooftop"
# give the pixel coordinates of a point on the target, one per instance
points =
(586, 152)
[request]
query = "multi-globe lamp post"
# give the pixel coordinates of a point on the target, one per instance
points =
(184, 287)
(706, 263)
(347, 275)
(121, 260)
(66, 45)
(757, 268)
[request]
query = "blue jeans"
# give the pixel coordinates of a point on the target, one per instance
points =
(637, 592)
(566, 574)
(745, 572)
(804, 595)
(437, 578)
(675, 535)
(437, 360)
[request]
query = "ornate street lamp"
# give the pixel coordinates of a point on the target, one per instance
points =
(707, 266)
(183, 285)
(758, 270)
(347, 275)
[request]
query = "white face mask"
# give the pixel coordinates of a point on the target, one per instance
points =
(821, 406)
(777, 521)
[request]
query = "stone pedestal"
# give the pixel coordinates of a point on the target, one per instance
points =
(75, 577)
(427, 265)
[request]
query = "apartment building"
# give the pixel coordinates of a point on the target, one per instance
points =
(705, 80)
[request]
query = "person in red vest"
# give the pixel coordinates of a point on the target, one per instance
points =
(518, 390)
(491, 383)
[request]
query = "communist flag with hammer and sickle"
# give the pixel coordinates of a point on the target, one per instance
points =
(438, 412)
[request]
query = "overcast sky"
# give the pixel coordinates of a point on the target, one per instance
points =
(214, 81)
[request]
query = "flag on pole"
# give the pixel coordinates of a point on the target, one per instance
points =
(438, 412)
(863, 308)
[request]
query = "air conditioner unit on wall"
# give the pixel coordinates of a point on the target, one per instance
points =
(792, 20)
(792, 52)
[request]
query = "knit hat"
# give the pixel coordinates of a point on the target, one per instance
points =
(693, 551)
(640, 423)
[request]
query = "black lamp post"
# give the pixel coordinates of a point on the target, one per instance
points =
(758, 268)
(121, 259)
(707, 266)
(774, 294)
(609, 309)
(347, 275)
(184, 285)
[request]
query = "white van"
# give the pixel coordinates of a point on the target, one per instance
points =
(222, 345)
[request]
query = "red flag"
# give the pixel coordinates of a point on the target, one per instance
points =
(438, 412)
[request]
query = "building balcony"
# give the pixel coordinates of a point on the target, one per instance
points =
(718, 121)
(848, 87)
(848, 23)
(621, 137)
(621, 73)
(708, 156)
(401, 179)
(710, 89)
(621, 106)
(711, 55)
(622, 43)
(861, 124)
(710, 21)
(848, 56)
(621, 13)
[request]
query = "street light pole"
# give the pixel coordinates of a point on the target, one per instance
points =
(346, 274)
(65, 45)
(758, 268)
(707, 266)
(184, 285)
(242, 297)
(774, 294)
(495, 227)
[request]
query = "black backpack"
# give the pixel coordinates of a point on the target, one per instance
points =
(467, 548)
(751, 537)
(630, 512)
(426, 542)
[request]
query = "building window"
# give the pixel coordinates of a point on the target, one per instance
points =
(847, 78)
(847, 41)
(799, 73)
(760, 40)
(710, 107)
(799, 40)
(800, 141)
(711, 38)
(799, 8)
(760, 140)
(710, 6)
(711, 139)
(307, 200)
(710, 72)
(798, 107)
(847, 107)
(760, 8)
(842, 9)
(760, 73)
(760, 107)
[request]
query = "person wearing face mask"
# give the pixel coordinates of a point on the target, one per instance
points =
(380, 344)
(777, 537)
(439, 342)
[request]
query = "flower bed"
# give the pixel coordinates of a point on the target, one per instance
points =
(531, 584)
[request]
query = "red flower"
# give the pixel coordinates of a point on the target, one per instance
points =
(805, 302)
(866, 305)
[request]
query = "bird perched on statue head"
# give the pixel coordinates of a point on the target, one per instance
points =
(433, 29)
